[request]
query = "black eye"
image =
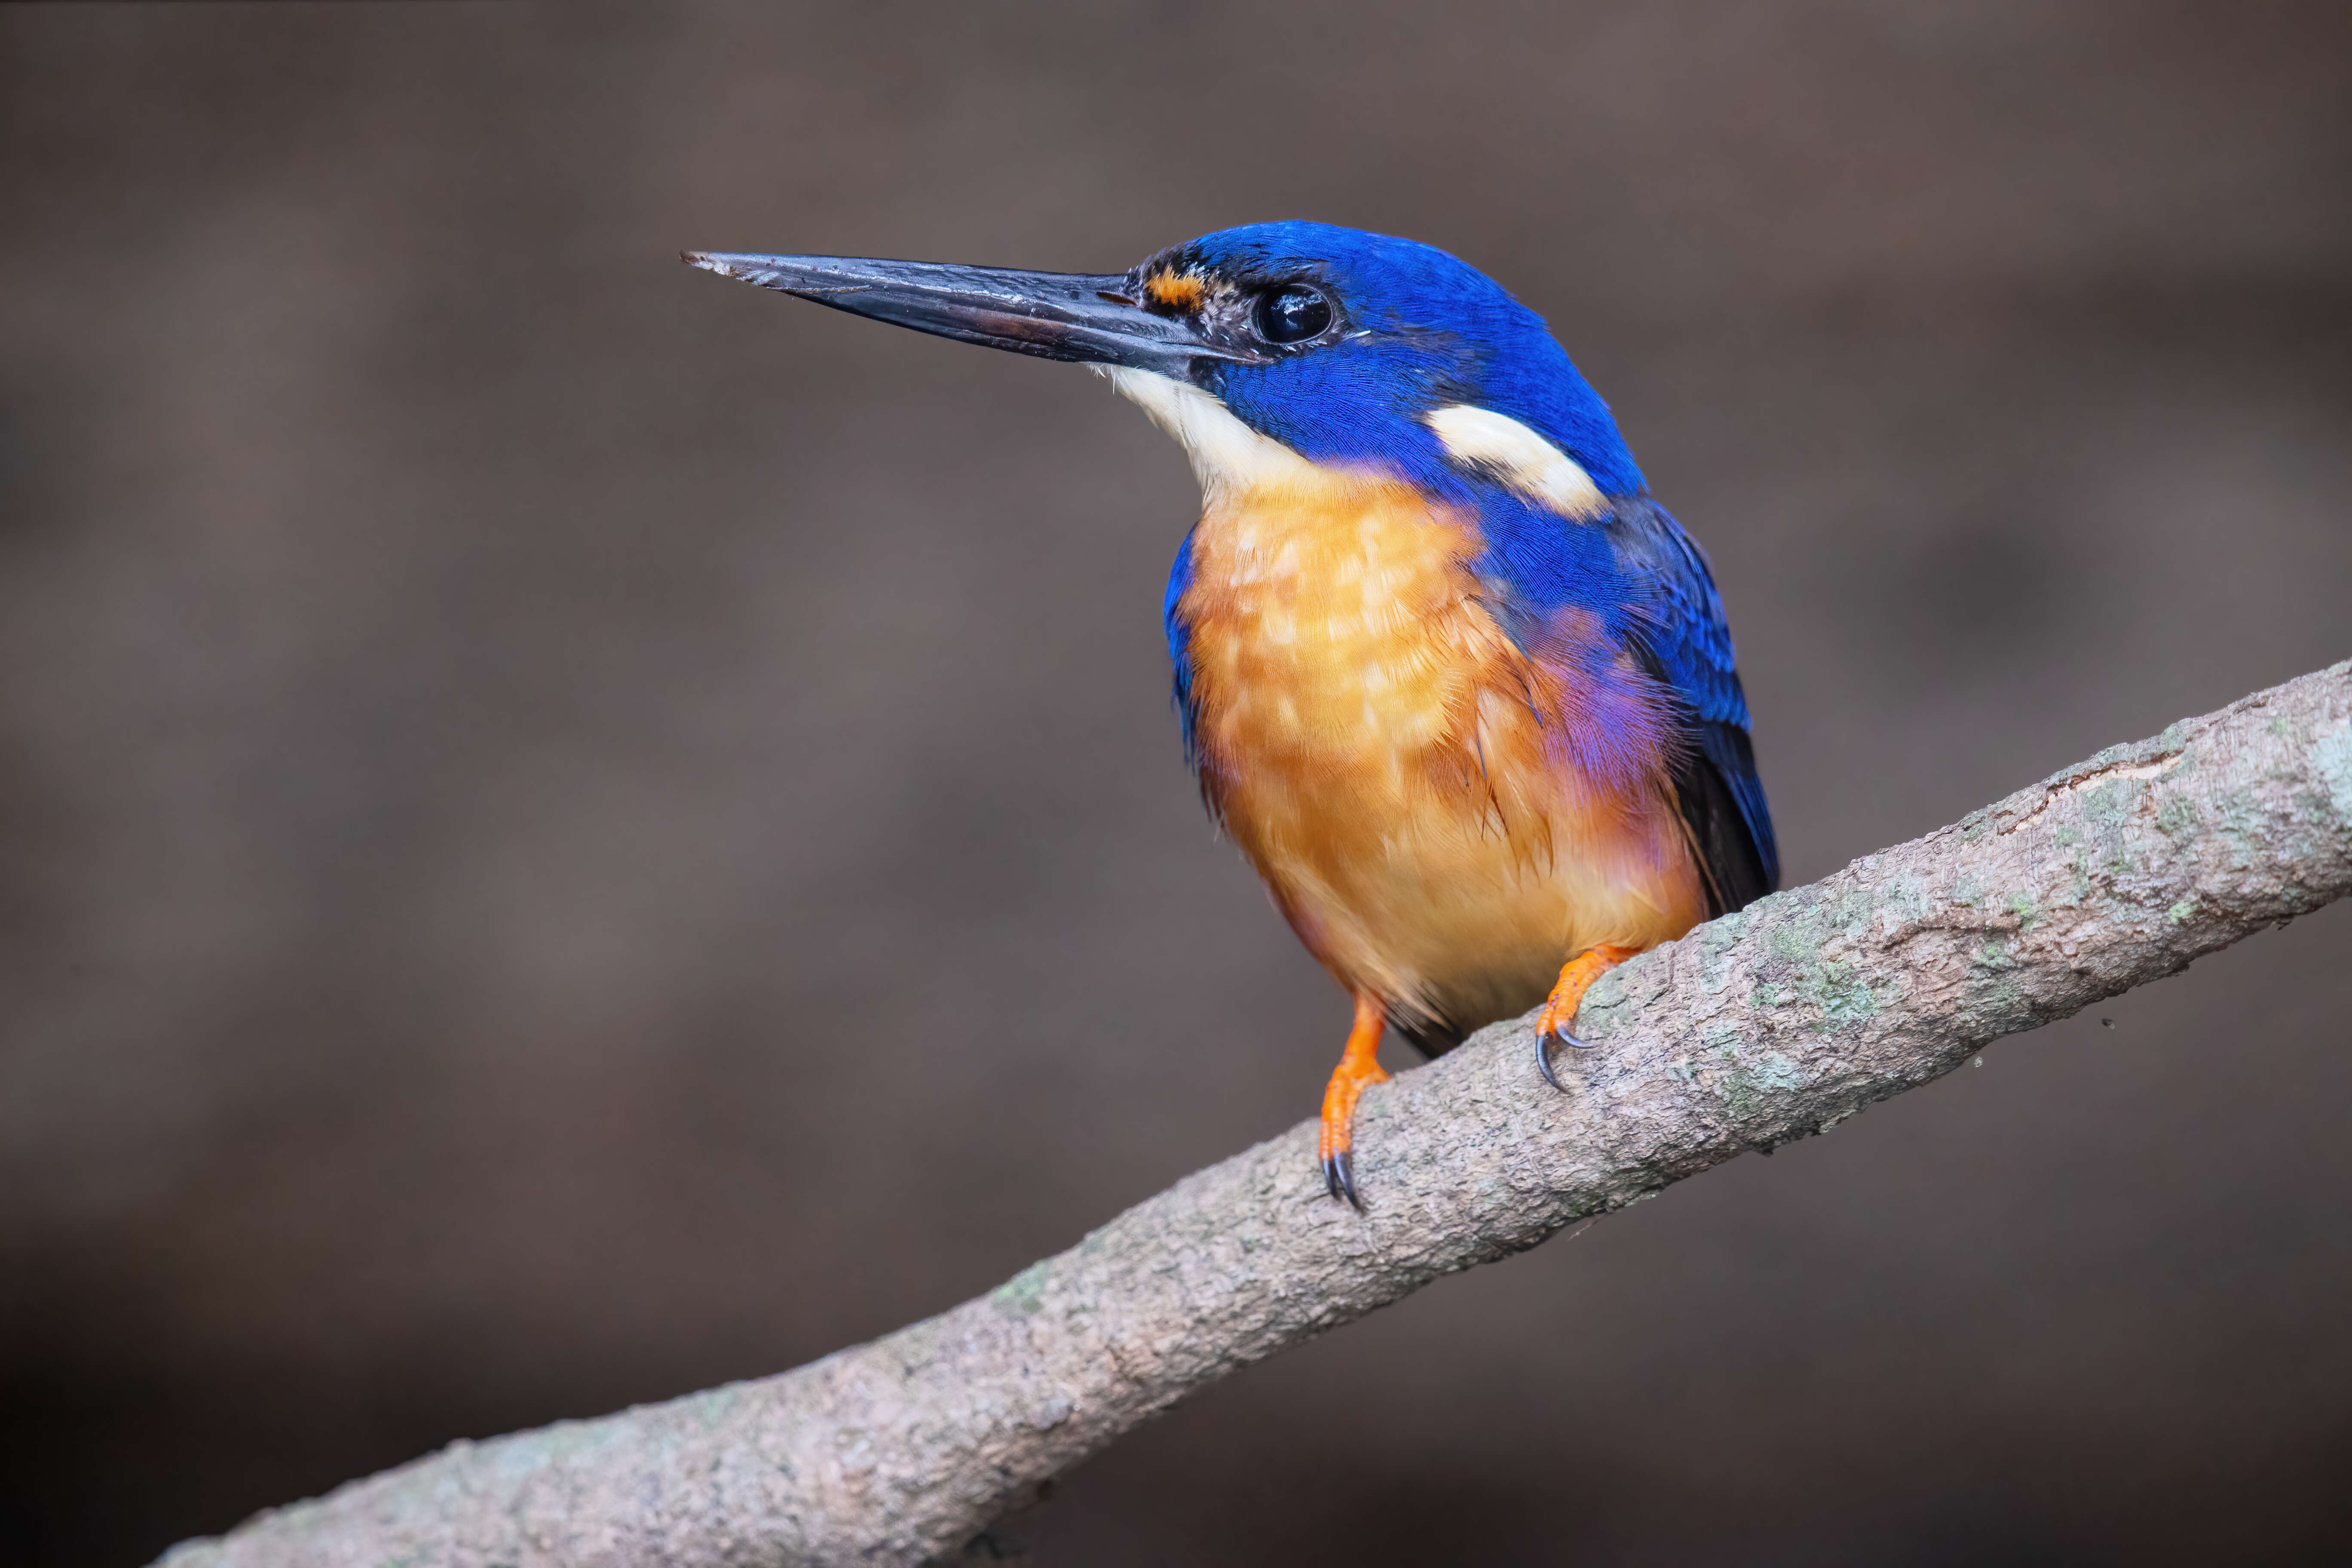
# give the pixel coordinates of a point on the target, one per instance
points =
(1291, 314)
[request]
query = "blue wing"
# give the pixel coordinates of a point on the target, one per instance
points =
(1681, 637)
(1179, 652)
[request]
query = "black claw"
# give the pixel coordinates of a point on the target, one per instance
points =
(1340, 1175)
(1544, 1038)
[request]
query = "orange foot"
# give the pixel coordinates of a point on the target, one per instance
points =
(1359, 1068)
(1560, 1011)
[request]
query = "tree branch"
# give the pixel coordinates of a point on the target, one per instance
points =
(1754, 1030)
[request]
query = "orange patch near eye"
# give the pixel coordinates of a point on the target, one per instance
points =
(1178, 291)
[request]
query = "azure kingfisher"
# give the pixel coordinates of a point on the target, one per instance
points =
(1462, 692)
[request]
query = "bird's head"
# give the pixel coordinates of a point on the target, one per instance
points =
(1270, 345)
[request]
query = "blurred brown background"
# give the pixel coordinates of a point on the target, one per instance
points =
(570, 830)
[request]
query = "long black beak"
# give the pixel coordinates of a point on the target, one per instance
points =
(1089, 319)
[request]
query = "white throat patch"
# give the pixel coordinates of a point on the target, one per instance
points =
(1229, 456)
(1519, 458)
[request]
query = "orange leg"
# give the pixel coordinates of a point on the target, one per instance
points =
(1359, 1068)
(1559, 1013)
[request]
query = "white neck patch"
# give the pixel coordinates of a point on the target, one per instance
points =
(1229, 456)
(1519, 458)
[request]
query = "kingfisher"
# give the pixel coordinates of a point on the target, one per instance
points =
(1461, 691)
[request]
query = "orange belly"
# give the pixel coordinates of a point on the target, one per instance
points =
(1392, 764)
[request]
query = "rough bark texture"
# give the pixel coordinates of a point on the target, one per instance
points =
(1755, 1029)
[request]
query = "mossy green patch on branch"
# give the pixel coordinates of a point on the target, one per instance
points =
(1795, 941)
(1841, 994)
(1024, 1293)
(2108, 804)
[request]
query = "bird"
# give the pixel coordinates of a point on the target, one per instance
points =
(1458, 688)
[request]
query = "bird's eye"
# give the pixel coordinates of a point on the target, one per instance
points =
(1291, 314)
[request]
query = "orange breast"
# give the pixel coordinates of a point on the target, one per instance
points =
(1390, 761)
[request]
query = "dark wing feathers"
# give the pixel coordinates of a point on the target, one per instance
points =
(1683, 639)
(1683, 642)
